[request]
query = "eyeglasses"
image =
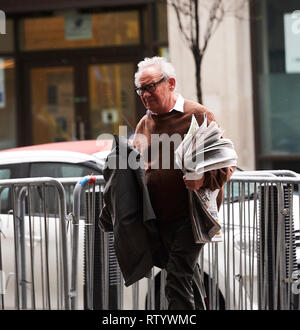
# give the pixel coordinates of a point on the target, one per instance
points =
(149, 88)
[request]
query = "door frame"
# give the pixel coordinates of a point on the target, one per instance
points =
(79, 59)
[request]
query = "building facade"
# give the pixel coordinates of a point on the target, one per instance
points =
(67, 67)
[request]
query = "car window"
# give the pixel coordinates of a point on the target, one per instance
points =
(59, 170)
(74, 171)
(5, 173)
(10, 171)
(236, 192)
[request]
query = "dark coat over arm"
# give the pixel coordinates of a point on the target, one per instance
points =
(127, 212)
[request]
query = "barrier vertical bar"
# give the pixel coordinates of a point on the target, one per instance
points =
(21, 223)
(76, 215)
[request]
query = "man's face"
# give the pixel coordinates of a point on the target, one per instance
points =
(158, 101)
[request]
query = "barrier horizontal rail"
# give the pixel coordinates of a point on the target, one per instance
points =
(266, 173)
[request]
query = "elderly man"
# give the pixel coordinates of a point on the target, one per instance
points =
(169, 113)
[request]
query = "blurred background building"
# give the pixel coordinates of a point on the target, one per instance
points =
(67, 67)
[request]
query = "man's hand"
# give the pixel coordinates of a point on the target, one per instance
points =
(193, 184)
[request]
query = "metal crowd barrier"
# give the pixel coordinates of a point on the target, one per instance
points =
(32, 235)
(52, 253)
(256, 266)
(59, 259)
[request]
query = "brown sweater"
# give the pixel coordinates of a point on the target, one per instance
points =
(168, 194)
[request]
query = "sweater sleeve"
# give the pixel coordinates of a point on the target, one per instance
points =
(217, 178)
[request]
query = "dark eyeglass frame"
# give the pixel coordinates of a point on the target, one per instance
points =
(149, 88)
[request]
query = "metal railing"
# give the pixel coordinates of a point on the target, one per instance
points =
(59, 258)
(28, 282)
(260, 221)
(256, 266)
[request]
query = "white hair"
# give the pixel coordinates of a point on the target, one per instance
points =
(166, 68)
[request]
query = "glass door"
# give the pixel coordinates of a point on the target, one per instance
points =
(81, 100)
(52, 104)
(112, 100)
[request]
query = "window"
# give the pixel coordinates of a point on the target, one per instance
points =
(81, 30)
(52, 104)
(112, 98)
(59, 170)
(5, 173)
(50, 196)
(277, 86)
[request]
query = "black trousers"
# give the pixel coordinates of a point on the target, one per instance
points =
(184, 289)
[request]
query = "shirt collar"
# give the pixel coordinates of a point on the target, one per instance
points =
(179, 104)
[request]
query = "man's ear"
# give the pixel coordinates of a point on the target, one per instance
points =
(172, 84)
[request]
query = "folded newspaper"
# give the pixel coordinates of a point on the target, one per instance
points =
(203, 149)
